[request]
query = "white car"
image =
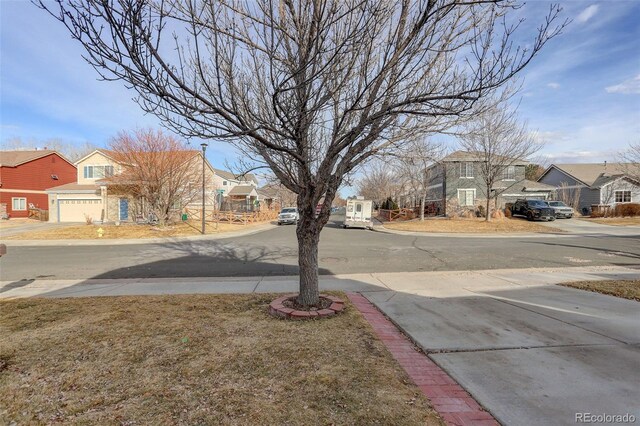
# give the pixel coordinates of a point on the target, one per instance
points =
(561, 209)
(288, 215)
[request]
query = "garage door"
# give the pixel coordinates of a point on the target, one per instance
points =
(75, 210)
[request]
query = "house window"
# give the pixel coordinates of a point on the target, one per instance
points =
(224, 182)
(466, 197)
(97, 172)
(623, 196)
(509, 173)
(466, 170)
(19, 204)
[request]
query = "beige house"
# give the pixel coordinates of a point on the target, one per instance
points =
(90, 196)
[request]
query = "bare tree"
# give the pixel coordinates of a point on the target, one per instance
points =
(157, 169)
(311, 88)
(378, 182)
(70, 151)
(412, 164)
(631, 159)
(570, 195)
(499, 141)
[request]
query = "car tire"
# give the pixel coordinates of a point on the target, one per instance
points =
(552, 219)
(279, 223)
(530, 216)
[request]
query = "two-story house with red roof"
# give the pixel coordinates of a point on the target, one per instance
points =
(25, 175)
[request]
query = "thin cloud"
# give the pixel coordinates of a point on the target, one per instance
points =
(627, 87)
(587, 14)
(577, 157)
(554, 85)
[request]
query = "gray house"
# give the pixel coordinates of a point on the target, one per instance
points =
(592, 184)
(457, 183)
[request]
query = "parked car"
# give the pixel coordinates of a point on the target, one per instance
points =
(533, 209)
(288, 215)
(562, 210)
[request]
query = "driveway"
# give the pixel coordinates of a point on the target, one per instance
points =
(578, 227)
(529, 351)
(29, 226)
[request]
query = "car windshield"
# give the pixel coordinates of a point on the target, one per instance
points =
(557, 204)
(537, 203)
(288, 211)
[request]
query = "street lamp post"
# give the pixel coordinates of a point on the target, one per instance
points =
(204, 149)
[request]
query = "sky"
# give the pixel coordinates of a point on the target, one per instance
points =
(581, 94)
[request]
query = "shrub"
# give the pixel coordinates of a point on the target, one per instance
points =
(480, 212)
(497, 214)
(88, 219)
(507, 212)
(628, 209)
(468, 214)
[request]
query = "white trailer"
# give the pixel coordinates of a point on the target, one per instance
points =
(358, 214)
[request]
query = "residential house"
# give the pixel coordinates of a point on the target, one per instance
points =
(25, 176)
(91, 195)
(593, 184)
(274, 196)
(457, 183)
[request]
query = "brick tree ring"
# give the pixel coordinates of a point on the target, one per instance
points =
(279, 308)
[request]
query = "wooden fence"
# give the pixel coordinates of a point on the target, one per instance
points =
(399, 214)
(38, 214)
(239, 218)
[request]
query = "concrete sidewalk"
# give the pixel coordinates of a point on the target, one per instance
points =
(528, 351)
(448, 284)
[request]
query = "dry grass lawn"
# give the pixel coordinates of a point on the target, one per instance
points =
(90, 232)
(195, 359)
(507, 225)
(616, 221)
(627, 289)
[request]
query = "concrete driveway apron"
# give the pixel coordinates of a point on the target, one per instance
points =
(529, 351)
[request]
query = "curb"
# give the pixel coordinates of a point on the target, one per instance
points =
(454, 404)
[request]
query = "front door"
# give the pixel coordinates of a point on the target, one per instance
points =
(124, 209)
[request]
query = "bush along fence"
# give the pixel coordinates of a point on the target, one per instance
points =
(239, 218)
(619, 210)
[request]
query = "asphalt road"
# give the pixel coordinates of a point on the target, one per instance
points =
(274, 252)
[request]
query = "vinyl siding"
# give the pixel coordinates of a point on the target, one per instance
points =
(33, 178)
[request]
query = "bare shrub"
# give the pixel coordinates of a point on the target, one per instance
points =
(626, 210)
(497, 214)
(88, 219)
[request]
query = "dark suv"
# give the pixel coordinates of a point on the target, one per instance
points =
(533, 209)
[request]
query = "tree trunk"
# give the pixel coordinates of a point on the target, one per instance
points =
(487, 215)
(308, 233)
(422, 202)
